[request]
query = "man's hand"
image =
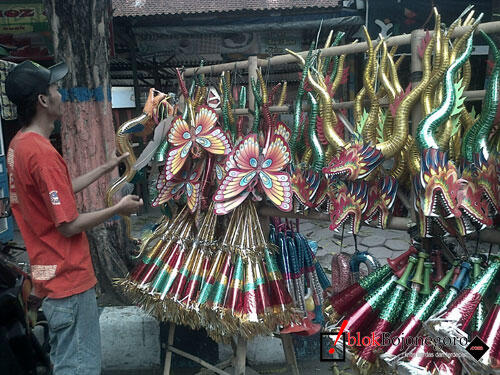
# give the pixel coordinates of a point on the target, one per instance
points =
(126, 206)
(114, 160)
(81, 182)
(129, 204)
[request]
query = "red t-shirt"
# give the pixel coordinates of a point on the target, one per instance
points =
(42, 198)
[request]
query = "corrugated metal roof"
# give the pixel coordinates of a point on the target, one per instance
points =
(133, 8)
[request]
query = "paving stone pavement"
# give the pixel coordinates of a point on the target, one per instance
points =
(382, 244)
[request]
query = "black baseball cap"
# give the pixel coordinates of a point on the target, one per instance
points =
(30, 78)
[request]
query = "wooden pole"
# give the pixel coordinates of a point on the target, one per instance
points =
(197, 360)
(137, 93)
(222, 365)
(291, 360)
(240, 356)
(168, 354)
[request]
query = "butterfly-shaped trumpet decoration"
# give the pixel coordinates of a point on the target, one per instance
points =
(187, 181)
(200, 134)
(248, 167)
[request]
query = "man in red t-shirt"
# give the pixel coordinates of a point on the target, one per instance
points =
(42, 198)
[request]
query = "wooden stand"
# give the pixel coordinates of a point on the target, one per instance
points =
(238, 362)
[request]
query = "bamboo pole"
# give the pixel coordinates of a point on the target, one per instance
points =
(472, 95)
(291, 360)
(416, 66)
(398, 223)
(398, 40)
(252, 74)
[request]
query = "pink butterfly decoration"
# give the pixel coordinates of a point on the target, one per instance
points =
(200, 134)
(187, 181)
(248, 168)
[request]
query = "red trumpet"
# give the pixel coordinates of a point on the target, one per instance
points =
(398, 264)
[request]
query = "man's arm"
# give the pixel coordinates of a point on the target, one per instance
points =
(81, 182)
(127, 205)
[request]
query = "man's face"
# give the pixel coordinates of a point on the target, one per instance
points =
(54, 102)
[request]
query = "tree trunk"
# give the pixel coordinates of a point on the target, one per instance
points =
(80, 31)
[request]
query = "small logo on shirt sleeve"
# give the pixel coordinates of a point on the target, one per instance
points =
(54, 198)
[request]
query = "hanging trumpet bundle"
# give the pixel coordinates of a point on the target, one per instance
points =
(304, 277)
(245, 293)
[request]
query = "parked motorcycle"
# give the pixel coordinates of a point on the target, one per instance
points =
(20, 351)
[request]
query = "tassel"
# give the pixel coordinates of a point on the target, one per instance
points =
(171, 271)
(249, 295)
(135, 275)
(264, 304)
(339, 304)
(280, 299)
(209, 281)
(196, 278)
(366, 312)
(180, 282)
(447, 367)
(234, 300)
(151, 263)
(420, 359)
(168, 251)
(368, 355)
(196, 266)
(218, 292)
(167, 272)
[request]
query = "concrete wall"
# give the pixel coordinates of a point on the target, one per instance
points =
(130, 339)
